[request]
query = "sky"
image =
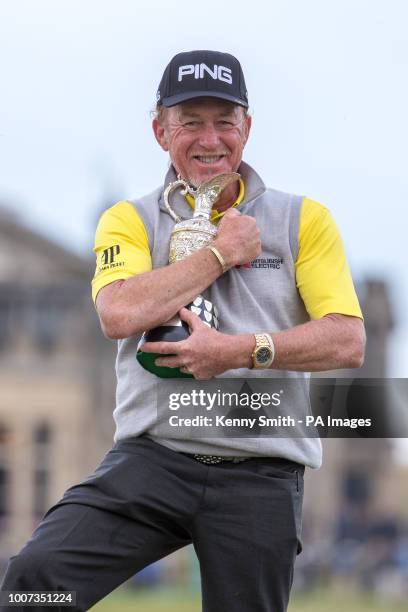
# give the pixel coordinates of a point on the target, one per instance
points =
(328, 92)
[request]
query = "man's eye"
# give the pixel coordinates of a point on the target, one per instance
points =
(191, 124)
(225, 125)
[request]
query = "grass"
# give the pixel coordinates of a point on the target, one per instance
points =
(182, 601)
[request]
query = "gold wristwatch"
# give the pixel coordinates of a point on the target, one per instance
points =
(264, 351)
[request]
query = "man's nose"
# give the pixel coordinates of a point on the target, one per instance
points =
(209, 136)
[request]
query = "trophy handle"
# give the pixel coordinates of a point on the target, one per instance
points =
(171, 187)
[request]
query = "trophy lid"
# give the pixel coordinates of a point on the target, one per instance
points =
(208, 193)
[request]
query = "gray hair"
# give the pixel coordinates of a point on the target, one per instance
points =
(159, 112)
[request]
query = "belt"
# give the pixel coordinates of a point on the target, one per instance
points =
(215, 459)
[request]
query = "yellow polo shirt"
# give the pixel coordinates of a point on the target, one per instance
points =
(322, 274)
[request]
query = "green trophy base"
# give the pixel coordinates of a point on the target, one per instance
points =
(174, 331)
(164, 333)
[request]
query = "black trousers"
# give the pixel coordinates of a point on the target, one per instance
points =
(145, 501)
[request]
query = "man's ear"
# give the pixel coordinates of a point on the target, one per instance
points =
(247, 128)
(160, 134)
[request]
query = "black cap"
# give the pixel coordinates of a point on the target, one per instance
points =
(202, 73)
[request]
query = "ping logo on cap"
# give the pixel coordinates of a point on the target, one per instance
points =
(220, 73)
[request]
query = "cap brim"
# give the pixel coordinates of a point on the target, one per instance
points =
(184, 97)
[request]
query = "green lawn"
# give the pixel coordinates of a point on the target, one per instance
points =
(181, 601)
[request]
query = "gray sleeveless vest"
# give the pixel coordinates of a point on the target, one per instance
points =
(256, 298)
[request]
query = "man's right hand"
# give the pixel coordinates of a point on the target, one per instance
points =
(238, 238)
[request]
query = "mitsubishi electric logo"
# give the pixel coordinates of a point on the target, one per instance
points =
(270, 263)
(220, 73)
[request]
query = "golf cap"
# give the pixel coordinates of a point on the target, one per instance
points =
(202, 73)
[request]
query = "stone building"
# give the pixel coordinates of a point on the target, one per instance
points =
(359, 474)
(56, 378)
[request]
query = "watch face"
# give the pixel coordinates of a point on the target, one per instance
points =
(263, 355)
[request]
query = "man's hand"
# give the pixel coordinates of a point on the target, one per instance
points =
(335, 341)
(204, 354)
(238, 238)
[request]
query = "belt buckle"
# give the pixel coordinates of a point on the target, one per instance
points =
(216, 459)
(209, 459)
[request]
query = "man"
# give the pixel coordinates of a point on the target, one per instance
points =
(287, 307)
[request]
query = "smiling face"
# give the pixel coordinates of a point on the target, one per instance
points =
(204, 137)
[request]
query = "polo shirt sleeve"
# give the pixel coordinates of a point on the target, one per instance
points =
(323, 276)
(121, 246)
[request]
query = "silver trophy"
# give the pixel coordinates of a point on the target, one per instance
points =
(187, 237)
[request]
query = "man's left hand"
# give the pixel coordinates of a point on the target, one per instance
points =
(204, 354)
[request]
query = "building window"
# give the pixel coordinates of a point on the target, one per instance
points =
(5, 320)
(4, 436)
(4, 477)
(41, 490)
(356, 487)
(47, 325)
(4, 484)
(42, 438)
(42, 434)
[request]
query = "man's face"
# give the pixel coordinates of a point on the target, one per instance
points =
(204, 137)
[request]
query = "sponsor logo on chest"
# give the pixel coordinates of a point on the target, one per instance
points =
(265, 263)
